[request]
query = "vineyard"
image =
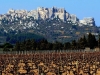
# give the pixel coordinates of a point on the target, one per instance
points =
(50, 63)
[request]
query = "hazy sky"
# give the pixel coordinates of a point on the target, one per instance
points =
(81, 8)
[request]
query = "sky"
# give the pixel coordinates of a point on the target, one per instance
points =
(81, 8)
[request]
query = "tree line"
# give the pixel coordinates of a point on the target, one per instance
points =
(31, 44)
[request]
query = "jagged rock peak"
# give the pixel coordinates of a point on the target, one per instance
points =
(11, 11)
(50, 13)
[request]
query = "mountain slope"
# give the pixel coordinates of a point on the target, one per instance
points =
(54, 24)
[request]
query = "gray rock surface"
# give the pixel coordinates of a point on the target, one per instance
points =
(88, 21)
(47, 13)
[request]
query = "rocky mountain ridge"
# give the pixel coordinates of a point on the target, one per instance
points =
(47, 13)
(51, 23)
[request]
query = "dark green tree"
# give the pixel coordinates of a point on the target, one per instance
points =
(17, 46)
(7, 45)
(82, 43)
(99, 41)
(74, 44)
(91, 41)
(57, 46)
(67, 45)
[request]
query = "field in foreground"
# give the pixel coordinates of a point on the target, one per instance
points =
(51, 63)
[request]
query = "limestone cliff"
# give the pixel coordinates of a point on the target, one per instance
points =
(48, 13)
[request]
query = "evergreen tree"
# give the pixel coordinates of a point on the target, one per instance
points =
(57, 46)
(99, 41)
(17, 46)
(91, 40)
(74, 44)
(67, 45)
(82, 43)
(33, 44)
(27, 45)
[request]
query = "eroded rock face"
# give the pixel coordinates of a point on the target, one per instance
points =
(43, 13)
(47, 13)
(74, 19)
(54, 12)
(88, 21)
